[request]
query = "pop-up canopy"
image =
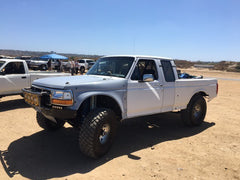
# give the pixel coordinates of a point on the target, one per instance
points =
(53, 56)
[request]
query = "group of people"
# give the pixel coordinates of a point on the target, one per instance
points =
(74, 66)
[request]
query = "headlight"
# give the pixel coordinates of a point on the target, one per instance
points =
(64, 98)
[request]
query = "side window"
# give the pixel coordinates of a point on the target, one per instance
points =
(81, 61)
(14, 68)
(168, 71)
(89, 61)
(144, 67)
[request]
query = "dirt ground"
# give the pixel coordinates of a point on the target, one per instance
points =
(155, 147)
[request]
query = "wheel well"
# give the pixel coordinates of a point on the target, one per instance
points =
(97, 102)
(201, 93)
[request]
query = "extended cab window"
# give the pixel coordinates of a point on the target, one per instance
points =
(168, 71)
(144, 67)
(14, 68)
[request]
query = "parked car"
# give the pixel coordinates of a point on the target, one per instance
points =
(66, 65)
(84, 64)
(117, 88)
(14, 76)
(43, 64)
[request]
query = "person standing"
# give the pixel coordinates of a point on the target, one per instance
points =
(49, 63)
(60, 65)
(72, 65)
(76, 66)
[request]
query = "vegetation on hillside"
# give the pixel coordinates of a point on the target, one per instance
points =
(183, 63)
(227, 66)
(17, 53)
(222, 65)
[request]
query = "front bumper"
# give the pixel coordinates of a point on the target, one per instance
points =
(40, 101)
(62, 114)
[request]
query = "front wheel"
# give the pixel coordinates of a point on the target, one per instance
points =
(47, 124)
(195, 113)
(97, 132)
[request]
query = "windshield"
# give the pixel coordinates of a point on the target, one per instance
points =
(1, 63)
(112, 66)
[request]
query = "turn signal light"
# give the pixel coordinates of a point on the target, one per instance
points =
(62, 102)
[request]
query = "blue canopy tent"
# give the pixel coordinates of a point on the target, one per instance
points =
(54, 61)
(53, 56)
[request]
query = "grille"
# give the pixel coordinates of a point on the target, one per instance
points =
(45, 98)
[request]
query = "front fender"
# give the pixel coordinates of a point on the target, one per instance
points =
(119, 96)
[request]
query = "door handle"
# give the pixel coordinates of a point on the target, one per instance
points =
(24, 77)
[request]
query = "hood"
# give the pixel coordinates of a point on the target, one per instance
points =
(83, 82)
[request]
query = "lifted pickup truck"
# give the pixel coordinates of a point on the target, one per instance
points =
(114, 89)
(14, 76)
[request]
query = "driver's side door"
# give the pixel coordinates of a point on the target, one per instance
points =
(143, 97)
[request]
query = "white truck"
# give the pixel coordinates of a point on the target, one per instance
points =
(114, 89)
(14, 76)
(84, 64)
(43, 64)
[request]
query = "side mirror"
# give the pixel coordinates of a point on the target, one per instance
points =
(148, 78)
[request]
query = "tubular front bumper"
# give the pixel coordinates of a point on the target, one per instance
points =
(37, 101)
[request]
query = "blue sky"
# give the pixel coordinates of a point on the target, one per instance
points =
(207, 30)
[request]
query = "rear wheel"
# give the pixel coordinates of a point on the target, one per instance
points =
(47, 124)
(196, 110)
(82, 69)
(97, 132)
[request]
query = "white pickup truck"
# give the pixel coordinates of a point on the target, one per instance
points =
(114, 89)
(14, 76)
(84, 64)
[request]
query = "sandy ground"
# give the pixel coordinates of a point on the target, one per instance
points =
(155, 147)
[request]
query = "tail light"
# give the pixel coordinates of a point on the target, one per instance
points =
(217, 88)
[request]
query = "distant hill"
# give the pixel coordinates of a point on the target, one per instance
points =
(223, 65)
(228, 66)
(16, 53)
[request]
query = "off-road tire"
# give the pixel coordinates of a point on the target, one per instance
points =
(91, 141)
(47, 124)
(195, 113)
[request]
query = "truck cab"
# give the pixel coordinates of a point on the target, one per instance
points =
(14, 76)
